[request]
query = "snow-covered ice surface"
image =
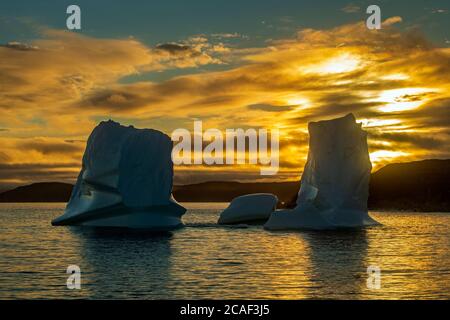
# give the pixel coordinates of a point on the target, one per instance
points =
(249, 208)
(125, 181)
(335, 182)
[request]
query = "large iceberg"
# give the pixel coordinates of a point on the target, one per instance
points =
(335, 182)
(125, 181)
(251, 208)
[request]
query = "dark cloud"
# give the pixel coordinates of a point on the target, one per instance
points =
(414, 139)
(412, 97)
(233, 35)
(34, 172)
(188, 176)
(334, 105)
(20, 46)
(432, 115)
(269, 107)
(439, 10)
(4, 157)
(49, 147)
(117, 100)
(351, 8)
(12, 81)
(174, 48)
(213, 101)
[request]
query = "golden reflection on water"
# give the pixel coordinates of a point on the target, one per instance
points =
(204, 260)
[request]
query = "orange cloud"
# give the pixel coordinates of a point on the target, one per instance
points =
(395, 82)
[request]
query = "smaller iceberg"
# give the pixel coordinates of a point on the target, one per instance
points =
(251, 208)
(335, 181)
(125, 181)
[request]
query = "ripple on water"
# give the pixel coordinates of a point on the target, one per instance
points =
(205, 260)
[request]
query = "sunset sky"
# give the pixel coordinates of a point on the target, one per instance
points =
(231, 64)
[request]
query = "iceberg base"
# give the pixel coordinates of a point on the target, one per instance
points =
(158, 218)
(308, 217)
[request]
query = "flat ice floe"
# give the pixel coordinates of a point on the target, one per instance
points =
(125, 181)
(249, 208)
(335, 181)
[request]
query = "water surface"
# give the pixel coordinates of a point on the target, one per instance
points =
(204, 260)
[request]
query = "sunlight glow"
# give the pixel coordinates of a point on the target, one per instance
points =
(402, 99)
(383, 155)
(396, 77)
(296, 100)
(341, 64)
(371, 123)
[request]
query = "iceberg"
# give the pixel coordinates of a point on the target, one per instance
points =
(126, 181)
(335, 181)
(250, 208)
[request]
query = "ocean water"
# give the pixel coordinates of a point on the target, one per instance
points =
(204, 260)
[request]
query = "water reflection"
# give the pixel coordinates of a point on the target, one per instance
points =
(124, 263)
(338, 261)
(205, 261)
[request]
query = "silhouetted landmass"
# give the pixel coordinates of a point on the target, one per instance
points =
(418, 186)
(421, 186)
(222, 191)
(39, 192)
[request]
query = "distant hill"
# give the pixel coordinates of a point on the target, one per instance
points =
(39, 192)
(222, 191)
(420, 186)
